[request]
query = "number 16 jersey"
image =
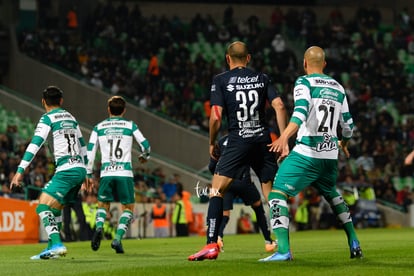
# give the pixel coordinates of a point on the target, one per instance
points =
(115, 137)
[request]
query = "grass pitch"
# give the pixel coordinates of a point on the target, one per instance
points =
(387, 252)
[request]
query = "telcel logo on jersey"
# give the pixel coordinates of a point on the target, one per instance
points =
(247, 79)
(327, 144)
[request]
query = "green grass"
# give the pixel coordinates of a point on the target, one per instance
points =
(387, 252)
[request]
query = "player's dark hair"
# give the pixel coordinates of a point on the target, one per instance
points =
(116, 105)
(52, 95)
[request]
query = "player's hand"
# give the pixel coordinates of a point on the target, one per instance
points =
(215, 151)
(280, 148)
(143, 157)
(88, 185)
(409, 159)
(16, 182)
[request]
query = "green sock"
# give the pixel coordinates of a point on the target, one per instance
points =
(279, 220)
(124, 222)
(100, 217)
(342, 211)
(49, 222)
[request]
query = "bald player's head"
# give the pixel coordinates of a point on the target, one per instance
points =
(314, 59)
(237, 53)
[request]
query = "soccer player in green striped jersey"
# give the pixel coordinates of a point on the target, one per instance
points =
(320, 105)
(69, 151)
(115, 136)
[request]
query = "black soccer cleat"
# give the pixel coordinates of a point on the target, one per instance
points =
(96, 239)
(117, 245)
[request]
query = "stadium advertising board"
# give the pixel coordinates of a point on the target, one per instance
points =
(19, 222)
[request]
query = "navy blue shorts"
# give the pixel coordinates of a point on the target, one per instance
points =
(244, 189)
(239, 154)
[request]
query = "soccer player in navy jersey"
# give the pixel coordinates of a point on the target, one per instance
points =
(241, 95)
(246, 190)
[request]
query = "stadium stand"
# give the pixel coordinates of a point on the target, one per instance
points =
(373, 59)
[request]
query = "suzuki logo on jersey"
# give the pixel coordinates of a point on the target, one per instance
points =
(327, 144)
(249, 86)
(247, 79)
(230, 87)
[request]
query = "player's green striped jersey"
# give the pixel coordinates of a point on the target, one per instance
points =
(69, 148)
(115, 137)
(320, 103)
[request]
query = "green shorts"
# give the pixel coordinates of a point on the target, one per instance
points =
(298, 172)
(65, 185)
(116, 188)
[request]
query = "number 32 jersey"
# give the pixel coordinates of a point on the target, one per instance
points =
(320, 103)
(242, 93)
(115, 137)
(69, 148)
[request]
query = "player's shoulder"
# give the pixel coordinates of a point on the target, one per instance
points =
(302, 80)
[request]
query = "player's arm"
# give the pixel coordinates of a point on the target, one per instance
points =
(214, 126)
(92, 147)
(347, 125)
(83, 149)
(301, 96)
(143, 143)
(281, 113)
(39, 137)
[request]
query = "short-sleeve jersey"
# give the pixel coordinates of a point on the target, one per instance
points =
(69, 148)
(243, 93)
(115, 137)
(320, 103)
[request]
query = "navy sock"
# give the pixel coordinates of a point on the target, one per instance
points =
(262, 221)
(223, 224)
(214, 216)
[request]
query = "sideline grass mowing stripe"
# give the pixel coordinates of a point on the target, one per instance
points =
(387, 252)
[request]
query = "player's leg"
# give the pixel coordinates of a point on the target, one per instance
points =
(224, 222)
(270, 244)
(105, 197)
(327, 188)
(230, 165)
(61, 190)
(125, 191)
(293, 176)
(47, 210)
(228, 198)
(214, 217)
(248, 192)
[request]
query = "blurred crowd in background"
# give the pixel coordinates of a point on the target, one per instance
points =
(166, 65)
